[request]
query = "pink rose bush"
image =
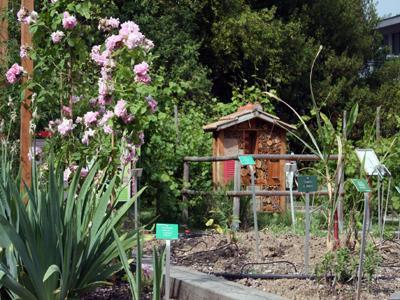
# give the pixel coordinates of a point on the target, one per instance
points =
(108, 117)
(14, 73)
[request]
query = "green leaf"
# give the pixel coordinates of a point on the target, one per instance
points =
(352, 118)
(50, 271)
(210, 222)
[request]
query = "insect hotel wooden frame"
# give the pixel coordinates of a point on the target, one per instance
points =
(250, 130)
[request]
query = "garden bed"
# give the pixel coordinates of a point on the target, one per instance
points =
(214, 253)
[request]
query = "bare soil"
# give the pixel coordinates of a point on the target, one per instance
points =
(214, 253)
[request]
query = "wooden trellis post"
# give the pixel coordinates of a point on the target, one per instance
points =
(3, 30)
(26, 115)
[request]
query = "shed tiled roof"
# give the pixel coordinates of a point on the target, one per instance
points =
(246, 113)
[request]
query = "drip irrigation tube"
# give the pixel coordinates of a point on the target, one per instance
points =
(264, 276)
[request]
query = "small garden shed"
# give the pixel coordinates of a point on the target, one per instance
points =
(250, 130)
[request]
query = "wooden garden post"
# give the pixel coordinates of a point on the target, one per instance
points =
(26, 115)
(3, 30)
(185, 210)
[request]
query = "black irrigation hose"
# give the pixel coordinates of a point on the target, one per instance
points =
(264, 276)
(390, 266)
(270, 263)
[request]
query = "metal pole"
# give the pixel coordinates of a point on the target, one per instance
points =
(363, 241)
(236, 200)
(341, 177)
(134, 192)
(167, 269)
(307, 242)
(379, 204)
(292, 207)
(253, 188)
(386, 207)
(26, 115)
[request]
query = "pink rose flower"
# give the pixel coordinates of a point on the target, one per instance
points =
(14, 73)
(96, 56)
(65, 127)
(69, 22)
(145, 79)
(108, 24)
(88, 133)
(120, 109)
(128, 155)
(147, 44)
(57, 36)
(23, 51)
(141, 69)
(107, 116)
(134, 40)
(107, 129)
(113, 42)
(67, 111)
(25, 17)
(84, 172)
(67, 174)
(90, 118)
(128, 118)
(128, 27)
(152, 103)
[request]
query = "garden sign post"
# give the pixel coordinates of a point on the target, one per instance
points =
(290, 172)
(362, 187)
(307, 184)
(248, 160)
(167, 232)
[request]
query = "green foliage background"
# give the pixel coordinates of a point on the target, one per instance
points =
(212, 56)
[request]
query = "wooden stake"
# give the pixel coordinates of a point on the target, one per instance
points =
(3, 31)
(26, 115)
(378, 123)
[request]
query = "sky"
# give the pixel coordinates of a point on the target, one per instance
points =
(386, 7)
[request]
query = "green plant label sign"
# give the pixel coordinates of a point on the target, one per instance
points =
(166, 231)
(307, 184)
(125, 194)
(361, 185)
(246, 160)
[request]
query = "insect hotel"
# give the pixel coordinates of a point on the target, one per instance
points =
(250, 130)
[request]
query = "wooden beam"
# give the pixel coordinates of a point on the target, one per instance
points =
(3, 31)
(297, 157)
(267, 193)
(26, 115)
